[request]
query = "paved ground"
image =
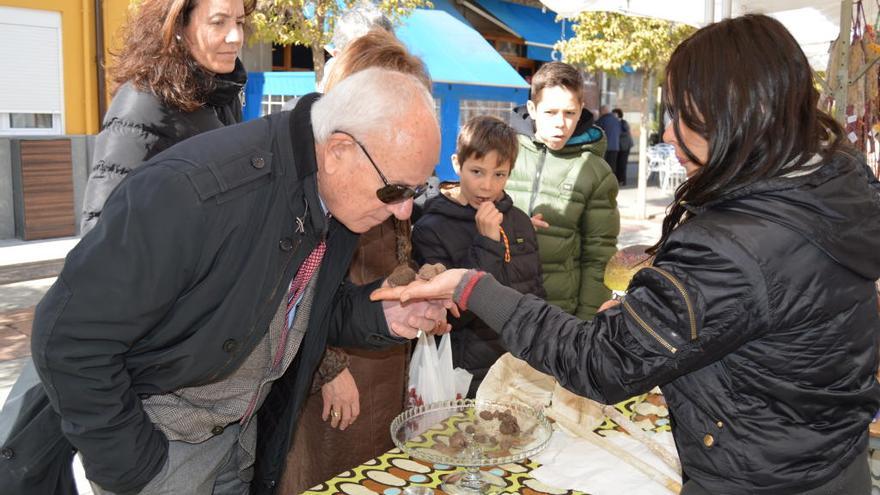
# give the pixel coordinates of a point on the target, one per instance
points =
(28, 269)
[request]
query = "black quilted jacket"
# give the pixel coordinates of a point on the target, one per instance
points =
(138, 125)
(758, 321)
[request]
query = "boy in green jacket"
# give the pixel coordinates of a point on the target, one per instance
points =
(561, 180)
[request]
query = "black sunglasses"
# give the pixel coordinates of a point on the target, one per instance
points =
(389, 193)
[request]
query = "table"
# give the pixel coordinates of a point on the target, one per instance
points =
(394, 470)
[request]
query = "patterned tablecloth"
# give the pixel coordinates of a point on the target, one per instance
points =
(393, 471)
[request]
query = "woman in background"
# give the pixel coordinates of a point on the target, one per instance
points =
(177, 75)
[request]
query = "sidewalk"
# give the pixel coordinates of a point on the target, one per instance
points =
(634, 230)
(27, 270)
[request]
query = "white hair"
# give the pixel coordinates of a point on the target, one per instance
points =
(371, 101)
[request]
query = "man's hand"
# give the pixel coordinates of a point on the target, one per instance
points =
(488, 220)
(538, 221)
(341, 400)
(437, 290)
(407, 319)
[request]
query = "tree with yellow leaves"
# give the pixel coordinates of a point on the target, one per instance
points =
(607, 41)
(310, 22)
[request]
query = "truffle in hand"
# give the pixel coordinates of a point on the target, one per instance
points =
(402, 275)
(429, 271)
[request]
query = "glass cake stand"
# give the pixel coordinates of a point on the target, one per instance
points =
(471, 434)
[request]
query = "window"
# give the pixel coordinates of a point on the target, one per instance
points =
(31, 102)
(293, 58)
(30, 124)
(273, 103)
(473, 108)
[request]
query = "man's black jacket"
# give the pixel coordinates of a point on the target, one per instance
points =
(178, 283)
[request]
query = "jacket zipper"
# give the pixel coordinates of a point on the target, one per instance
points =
(536, 183)
(648, 329)
(687, 300)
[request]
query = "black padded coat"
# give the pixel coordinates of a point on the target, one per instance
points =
(139, 125)
(758, 321)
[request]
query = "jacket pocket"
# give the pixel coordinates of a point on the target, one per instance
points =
(663, 309)
(701, 431)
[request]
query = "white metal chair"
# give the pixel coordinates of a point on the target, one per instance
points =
(670, 173)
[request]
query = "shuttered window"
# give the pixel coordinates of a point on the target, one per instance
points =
(31, 99)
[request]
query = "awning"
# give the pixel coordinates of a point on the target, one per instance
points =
(454, 52)
(538, 28)
(447, 7)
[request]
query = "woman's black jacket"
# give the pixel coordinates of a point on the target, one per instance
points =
(139, 125)
(447, 233)
(759, 321)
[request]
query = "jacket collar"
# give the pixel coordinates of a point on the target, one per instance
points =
(818, 175)
(448, 207)
(305, 161)
(227, 87)
(836, 208)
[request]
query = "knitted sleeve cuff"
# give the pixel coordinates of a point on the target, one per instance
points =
(484, 296)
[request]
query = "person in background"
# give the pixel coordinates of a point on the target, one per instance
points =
(561, 180)
(177, 75)
(361, 391)
(473, 224)
(609, 123)
(759, 317)
(626, 144)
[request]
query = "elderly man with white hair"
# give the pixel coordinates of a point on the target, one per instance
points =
(180, 339)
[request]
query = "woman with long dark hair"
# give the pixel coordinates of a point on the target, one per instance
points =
(177, 75)
(758, 319)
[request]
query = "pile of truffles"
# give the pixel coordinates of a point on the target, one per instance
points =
(508, 426)
(492, 445)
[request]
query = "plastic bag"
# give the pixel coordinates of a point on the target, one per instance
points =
(461, 378)
(431, 376)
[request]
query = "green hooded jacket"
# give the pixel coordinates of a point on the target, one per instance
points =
(576, 191)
